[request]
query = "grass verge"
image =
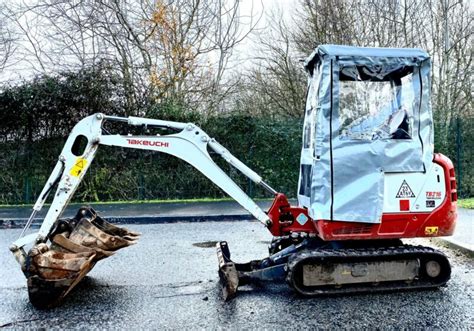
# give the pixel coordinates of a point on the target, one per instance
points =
(466, 203)
(140, 202)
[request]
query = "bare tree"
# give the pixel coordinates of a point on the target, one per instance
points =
(162, 49)
(276, 83)
(192, 43)
(442, 27)
(7, 38)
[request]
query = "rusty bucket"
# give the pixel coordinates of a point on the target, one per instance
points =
(75, 246)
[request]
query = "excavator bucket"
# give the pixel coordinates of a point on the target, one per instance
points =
(76, 245)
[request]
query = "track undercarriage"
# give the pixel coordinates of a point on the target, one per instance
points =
(312, 267)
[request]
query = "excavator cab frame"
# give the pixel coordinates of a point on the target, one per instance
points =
(367, 117)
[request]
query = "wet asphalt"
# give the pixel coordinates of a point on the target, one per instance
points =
(169, 281)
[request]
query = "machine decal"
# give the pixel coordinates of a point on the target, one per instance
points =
(404, 205)
(405, 191)
(431, 230)
(148, 143)
(430, 204)
(78, 167)
(433, 195)
(302, 219)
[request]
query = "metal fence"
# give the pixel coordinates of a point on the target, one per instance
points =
(271, 147)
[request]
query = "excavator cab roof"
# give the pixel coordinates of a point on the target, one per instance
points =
(367, 113)
(365, 54)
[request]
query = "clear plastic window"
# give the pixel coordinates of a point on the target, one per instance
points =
(311, 110)
(375, 104)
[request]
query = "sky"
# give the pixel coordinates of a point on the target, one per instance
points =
(260, 10)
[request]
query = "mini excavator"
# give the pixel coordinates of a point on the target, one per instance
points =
(369, 177)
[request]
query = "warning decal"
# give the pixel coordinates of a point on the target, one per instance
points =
(430, 204)
(302, 218)
(431, 230)
(78, 167)
(405, 191)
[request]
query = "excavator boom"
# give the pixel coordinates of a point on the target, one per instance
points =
(189, 143)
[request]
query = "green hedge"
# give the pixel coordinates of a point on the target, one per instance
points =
(37, 116)
(270, 147)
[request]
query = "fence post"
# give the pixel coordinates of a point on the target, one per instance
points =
(26, 197)
(459, 155)
(250, 186)
(140, 186)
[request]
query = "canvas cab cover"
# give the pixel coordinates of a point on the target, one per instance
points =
(367, 114)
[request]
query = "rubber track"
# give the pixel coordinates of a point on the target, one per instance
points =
(321, 256)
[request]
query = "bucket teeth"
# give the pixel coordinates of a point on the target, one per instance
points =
(109, 228)
(89, 235)
(76, 245)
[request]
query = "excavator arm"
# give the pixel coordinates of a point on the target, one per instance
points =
(190, 143)
(77, 244)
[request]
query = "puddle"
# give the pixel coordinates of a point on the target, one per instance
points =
(206, 244)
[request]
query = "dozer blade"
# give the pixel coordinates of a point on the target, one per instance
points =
(228, 274)
(76, 245)
(232, 275)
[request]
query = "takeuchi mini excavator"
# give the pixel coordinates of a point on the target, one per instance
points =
(368, 178)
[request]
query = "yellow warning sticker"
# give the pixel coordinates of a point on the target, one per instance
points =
(431, 230)
(78, 167)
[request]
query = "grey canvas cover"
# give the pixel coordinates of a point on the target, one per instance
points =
(367, 113)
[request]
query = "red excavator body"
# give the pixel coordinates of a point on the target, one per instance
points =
(440, 222)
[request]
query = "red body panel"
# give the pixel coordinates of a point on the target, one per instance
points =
(440, 222)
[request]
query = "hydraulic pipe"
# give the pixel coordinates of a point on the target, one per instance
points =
(239, 165)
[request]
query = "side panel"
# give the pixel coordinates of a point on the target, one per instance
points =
(364, 144)
(429, 222)
(414, 192)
